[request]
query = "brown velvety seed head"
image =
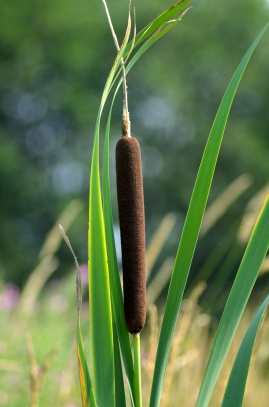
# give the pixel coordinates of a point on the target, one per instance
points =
(132, 229)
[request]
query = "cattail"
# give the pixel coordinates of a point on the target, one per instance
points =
(132, 229)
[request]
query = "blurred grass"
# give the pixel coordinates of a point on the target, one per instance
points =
(52, 324)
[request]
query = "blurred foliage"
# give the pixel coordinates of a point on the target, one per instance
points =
(52, 325)
(55, 57)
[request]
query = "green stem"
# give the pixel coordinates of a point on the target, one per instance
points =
(137, 371)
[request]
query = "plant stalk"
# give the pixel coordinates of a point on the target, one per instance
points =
(137, 371)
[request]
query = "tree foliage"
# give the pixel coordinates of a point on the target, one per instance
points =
(55, 57)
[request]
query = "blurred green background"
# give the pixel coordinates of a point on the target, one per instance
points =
(55, 57)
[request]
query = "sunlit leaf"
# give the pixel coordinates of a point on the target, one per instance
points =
(116, 291)
(101, 333)
(87, 393)
(192, 227)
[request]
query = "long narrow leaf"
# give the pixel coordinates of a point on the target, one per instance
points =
(216, 256)
(117, 299)
(225, 270)
(99, 295)
(102, 353)
(116, 291)
(192, 226)
(158, 22)
(235, 389)
(114, 276)
(119, 381)
(240, 292)
(87, 393)
(147, 44)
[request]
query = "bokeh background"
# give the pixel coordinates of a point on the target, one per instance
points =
(55, 57)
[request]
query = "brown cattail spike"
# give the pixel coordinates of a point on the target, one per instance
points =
(132, 229)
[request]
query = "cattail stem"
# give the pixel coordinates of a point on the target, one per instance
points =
(137, 371)
(126, 124)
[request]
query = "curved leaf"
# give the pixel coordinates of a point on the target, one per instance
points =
(235, 389)
(116, 291)
(115, 287)
(239, 295)
(87, 393)
(101, 335)
(158, 23)
(192, 227)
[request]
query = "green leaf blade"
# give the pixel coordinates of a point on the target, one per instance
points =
(86, 388)
(101, 332)
(147, 44)
(235, 389)
(87, 394)
(116, 291)
(247, 274)
(159, 21)
(192, 226)
(119, 381)
(101, 335)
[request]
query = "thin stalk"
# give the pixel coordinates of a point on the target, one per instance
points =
(137, 371)
(126, 125)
